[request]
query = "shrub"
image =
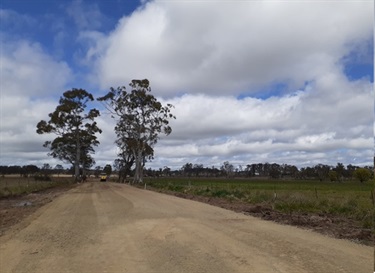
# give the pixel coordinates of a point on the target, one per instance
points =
(42, 177)
(220, 193)
(362, 174)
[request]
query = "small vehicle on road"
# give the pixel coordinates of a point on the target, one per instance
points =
(103, 177)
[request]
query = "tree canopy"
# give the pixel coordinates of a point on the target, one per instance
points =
(75, 129)
(141, 118)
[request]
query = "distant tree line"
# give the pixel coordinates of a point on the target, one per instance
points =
(320, 172)
(32, 170)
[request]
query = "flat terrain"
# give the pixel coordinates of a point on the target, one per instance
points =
(105, 227)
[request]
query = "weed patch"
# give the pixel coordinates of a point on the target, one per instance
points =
(14, 186)
(349, 199)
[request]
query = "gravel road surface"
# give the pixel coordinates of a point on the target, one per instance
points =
(107, 227)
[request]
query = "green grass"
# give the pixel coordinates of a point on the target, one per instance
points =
(15, 185)
(349, 199)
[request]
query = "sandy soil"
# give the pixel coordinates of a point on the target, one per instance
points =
(14, 209)
(105, 227)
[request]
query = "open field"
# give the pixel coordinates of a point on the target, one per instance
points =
(294, 202)
(13, 185)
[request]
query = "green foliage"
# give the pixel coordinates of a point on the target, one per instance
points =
(322, 171)
(140, 120)
(107, 169)
(333, 176)
(258, 196)
(348, 199)
(220, 193)
(176, 188)
(75, 129)
(362, 174)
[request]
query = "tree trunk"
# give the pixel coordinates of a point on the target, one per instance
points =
(138, 176)
(78, 157)
(83, 168)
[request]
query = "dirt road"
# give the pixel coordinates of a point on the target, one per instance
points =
(105, 227)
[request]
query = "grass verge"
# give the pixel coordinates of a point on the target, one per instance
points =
(15, 186)
(349, 199)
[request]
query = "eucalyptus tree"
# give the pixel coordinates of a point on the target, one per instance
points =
(107, 169)
(58, 169)
(227, 169)
(126, 158)
(75, 129)
(141, 118)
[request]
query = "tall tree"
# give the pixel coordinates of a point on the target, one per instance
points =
(140, 120)
(107, 169)
(321, 171)
(75, 129)
(340, 169)
(58, 169)
(97, 171)
(227, 168)
(187, 169)
(126, 156)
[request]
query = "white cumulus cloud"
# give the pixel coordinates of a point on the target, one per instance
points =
(231, 47)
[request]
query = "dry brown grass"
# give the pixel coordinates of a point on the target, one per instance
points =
(12, 185)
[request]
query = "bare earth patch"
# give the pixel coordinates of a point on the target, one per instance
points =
(14, 209)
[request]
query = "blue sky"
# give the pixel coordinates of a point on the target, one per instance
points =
(251, 81)
(360, 62)
(56, 25)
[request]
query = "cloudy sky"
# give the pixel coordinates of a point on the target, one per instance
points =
(251, 81)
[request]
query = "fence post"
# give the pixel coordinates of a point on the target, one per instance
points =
(274, 194)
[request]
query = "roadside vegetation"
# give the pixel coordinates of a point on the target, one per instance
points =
(349, 199)
(15, 185)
